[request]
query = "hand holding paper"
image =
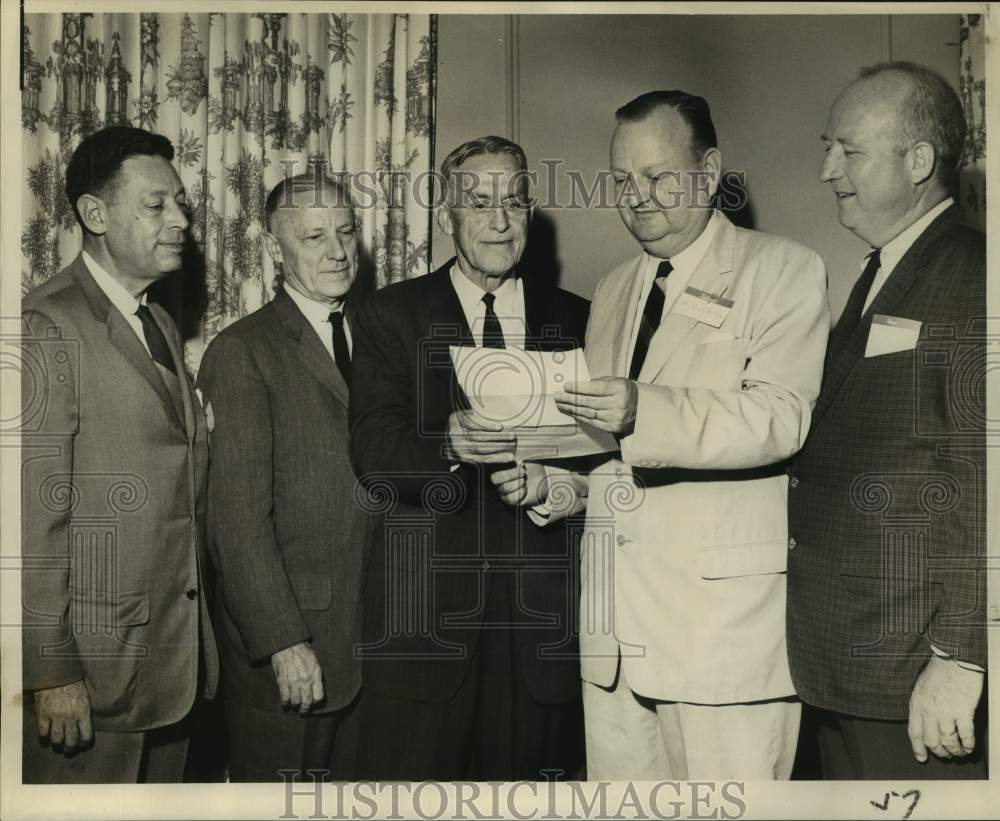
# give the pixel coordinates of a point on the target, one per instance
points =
(472, 438)
(517, 390)
(608, 403)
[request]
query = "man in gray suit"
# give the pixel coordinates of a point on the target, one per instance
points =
(286, 533)
(117, 643)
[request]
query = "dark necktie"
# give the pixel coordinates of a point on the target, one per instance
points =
(492, 332)
(340, 353)
(650, 319)
(854, 309)
(155, 340)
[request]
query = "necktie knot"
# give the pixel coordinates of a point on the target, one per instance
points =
(488, 300)
(663, 269)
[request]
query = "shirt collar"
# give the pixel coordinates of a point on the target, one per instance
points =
(315, 311)
(126, 304)
(687, 260)
(894, 250)
(471, 295)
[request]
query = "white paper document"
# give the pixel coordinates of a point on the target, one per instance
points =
(517, 388)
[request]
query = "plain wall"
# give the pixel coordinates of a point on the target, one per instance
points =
(769, 80)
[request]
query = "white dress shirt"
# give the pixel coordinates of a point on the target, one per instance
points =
(121, 299)
(508, 306)
(684, 265)
(892, 252)
(317, 314)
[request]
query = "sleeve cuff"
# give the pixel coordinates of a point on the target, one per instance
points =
(965, 665)
(541, 513)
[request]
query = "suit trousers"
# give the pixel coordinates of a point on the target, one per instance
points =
(490, 729)
(263, 743)
(150, 757)
(633, 737)
(859, 749)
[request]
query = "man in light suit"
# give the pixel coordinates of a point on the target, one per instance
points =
(117, 643)
(886, 588)
(707, 350)
(287, 535)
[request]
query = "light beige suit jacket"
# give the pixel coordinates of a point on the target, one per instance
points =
(686, 541)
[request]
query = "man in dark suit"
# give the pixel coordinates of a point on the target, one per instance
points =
(886, 574)
(471, 662)
(117, 642)
(286, 534)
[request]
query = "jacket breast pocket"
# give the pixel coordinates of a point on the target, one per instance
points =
(752, 559)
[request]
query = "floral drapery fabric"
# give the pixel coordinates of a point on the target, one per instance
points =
(245, 99)
(972, 87)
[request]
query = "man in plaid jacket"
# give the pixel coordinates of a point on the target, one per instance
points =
(886, 571)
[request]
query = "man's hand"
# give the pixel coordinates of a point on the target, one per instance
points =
(524, 484)
(608, 403)
(64, 716)
(471, 438)
(299, 677)
(942, 705)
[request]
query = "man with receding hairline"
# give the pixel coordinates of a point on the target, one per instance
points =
(286, 533)
(886, 586)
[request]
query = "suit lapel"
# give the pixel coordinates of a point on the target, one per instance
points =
(711, 276)
(447, 325)
(309, 348)
(847, 351)
(628, 308)
(163, 320)
(535, 314)
(446, 307)
(122, 337)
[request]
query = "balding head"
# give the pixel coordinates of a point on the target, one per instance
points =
(921, 107)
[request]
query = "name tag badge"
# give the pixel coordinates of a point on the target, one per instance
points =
(711, 309)
(891, 334)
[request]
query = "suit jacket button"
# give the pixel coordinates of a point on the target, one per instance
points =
(793, 482)
(791, 544)
(191, 593)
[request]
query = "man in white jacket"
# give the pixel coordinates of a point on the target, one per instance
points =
(707, 352)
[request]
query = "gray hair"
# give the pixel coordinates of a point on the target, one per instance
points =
(930, 111)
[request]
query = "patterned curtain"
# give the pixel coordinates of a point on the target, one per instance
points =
(972, 85)
(243, 97)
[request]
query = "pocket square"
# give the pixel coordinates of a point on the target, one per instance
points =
(891, 334)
